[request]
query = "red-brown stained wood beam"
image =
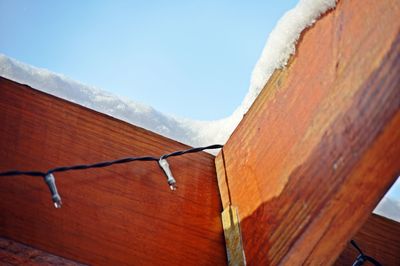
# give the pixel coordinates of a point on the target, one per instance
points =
(379, 238)
(320, 145)
(120, 215)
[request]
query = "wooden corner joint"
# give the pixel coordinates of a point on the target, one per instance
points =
(233, 237)
(230, 217)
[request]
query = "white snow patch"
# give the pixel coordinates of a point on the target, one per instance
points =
(281, 44)
(126, 110)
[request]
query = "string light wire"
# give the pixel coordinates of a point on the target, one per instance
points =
(362, 258)
(49, 177)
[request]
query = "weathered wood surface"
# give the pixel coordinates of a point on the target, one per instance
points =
(233, 241)
(121, 215)
(320, 145)
(379, 238)
(14, 253)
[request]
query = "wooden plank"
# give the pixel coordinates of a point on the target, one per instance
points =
(379, 238)
(233, 240)
(121, 215)
(222, 182)
(319, 147)
(14, 253)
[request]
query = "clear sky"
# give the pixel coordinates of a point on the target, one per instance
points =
(188, 58)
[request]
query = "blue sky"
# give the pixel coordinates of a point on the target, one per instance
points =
(188, 58)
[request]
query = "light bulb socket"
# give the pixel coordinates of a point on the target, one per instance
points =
(167, 171)
(51, 183)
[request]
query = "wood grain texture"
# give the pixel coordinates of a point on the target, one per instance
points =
(379, 238)
(320, 145)
(14, 253)
(120, 215)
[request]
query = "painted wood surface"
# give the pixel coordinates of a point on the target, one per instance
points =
(320, 145)
(121, 215)
(379, 238)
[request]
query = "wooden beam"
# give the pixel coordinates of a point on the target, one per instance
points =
(121, 215)
(319, 147)
(379, 238)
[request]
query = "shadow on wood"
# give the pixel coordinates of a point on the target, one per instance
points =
(319, 147)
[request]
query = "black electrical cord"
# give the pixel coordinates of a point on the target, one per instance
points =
(192, 150)
(78, 167)
(101, 164)
(108, 163)
(362, 258)
(16, 172)
(162, 162)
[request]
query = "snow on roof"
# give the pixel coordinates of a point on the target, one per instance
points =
(280, 45)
